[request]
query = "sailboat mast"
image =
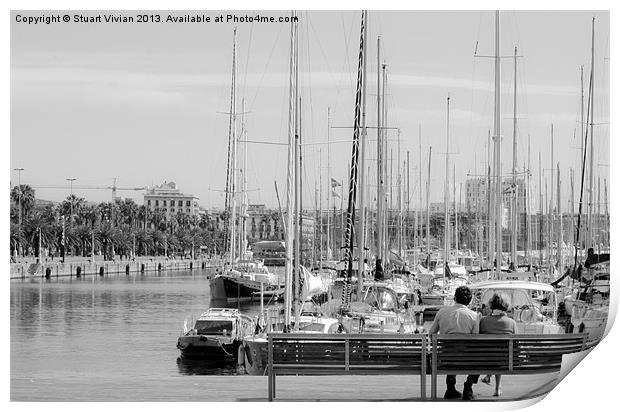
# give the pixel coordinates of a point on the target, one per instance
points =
(292, 112)
(297, 209)
(528, 199)
(354, 169)
(320, 200)
(513, 220)
(490, 205)
(540, 212)
(591, 137)
(329, 188)
(233, 180)
(428, 208)
(380, 240)
(498, 153)
(560, 250)
(419, 207)
(551, 208)
(446, 196)
(362, 170)
(456, 212)
(244, 198)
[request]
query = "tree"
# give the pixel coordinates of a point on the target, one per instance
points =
(24, 195)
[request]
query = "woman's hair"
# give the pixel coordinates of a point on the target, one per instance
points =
(500, 301)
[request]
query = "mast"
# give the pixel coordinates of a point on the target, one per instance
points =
(513, 220)
(560, 250)
(456, 213)
(233, 171)
(329, 189)
(354, 169)
(428, 209)
(498, 153)
(380, 240)
(419, 208)
(320, 197)
(384, 177)
(446, 196)
(292, 113)
(528, 199)
(297, 205)
(591, 174)
(540, 211)
(490, 204)
(362, 170)
(572, 205)
(551, 208)
(244, 187)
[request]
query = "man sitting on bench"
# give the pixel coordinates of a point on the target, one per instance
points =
(458, 318)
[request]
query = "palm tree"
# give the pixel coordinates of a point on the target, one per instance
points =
(24, 195)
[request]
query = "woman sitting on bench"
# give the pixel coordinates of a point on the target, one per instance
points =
(498, 323)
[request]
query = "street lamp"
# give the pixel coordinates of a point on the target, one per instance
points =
(71, 180)
(19, 201)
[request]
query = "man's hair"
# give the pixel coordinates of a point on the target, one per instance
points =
(500, 301)
(462, 295)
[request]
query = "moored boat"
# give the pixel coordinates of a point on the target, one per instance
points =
(215, 335)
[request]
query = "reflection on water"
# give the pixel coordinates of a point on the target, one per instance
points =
(105, 329)
(201, 367)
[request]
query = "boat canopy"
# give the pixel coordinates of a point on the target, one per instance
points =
(513, 284)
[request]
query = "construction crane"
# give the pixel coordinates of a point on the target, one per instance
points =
(114, 188)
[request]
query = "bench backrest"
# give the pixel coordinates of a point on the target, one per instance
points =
(454, 354)
(348, 352)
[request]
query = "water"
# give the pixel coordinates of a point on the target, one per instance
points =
(108, 339)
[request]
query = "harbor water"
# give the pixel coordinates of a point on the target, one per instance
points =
(109, 338)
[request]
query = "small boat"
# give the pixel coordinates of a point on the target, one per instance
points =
(590, 308)
(215, 335)
(534, 304)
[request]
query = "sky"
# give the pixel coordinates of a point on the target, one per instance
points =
(145, 103)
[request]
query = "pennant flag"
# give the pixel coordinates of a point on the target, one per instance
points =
(335, 183)
(334, 194)
(447, 270)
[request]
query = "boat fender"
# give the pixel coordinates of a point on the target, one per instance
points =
(240, 356)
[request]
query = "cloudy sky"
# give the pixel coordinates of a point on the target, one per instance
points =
(143, 102)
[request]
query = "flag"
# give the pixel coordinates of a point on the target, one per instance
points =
(334, 194)
(335, 183)
(447, 270)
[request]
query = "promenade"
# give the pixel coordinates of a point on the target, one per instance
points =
(247, 388)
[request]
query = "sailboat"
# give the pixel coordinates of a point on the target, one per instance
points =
(240, 279)
(589, 305)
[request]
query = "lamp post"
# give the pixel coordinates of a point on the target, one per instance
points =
(71, 180)
(19, 171)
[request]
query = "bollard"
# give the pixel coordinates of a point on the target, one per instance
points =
(101, 271)
(203, 265)
(127, 269)
(159, 267)
(191, 265)
(142, 268)
(78, 272)
(48, 273)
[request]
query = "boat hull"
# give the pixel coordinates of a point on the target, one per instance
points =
(207, 348)
(236, 289)
(255, 355)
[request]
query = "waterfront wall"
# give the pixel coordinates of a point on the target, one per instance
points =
(85, 267)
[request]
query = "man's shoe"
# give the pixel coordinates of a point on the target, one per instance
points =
(468, 394)
(452, 393)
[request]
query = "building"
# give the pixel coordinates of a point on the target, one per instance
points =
(476, 194)
(168, 198)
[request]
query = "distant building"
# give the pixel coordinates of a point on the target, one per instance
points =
(476, 195)
(168, 198)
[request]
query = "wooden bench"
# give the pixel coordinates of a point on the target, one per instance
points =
(346, 354)
(499, 354)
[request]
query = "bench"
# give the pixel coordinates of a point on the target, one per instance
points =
(500, 354)
(346, 354)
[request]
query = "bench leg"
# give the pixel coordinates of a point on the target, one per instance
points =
(434, 386)
(270, 387)
(423, 386)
